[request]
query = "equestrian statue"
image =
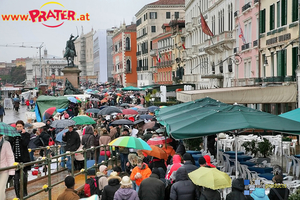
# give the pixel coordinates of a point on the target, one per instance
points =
(70, 52)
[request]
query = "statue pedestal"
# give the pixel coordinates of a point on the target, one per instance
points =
(72, 74)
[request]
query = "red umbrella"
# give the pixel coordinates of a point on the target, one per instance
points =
(130, 112)
(159, 140)
(48, 113)
(156, 152)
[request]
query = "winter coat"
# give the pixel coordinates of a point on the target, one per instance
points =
(162, 174)
(72, 140)
(183, 188)
(207, 159)
(180, 149)
(259, 194)
(126, 194)
(144, 171)
(6, 157)
(209, 194)
(88, 142)
(155, 162)
(172, 168)
(68, 194)
(281, 191)
(24, 141)
(110, 189)
(152, 188)
(104, 140)
(31, 143)
(188, 165)
(42, 140)
(237, 190)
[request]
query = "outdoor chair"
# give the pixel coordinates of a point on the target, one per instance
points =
(228, 166)
(296, 167)
(293, 146)
(289, 162)
(286, 147)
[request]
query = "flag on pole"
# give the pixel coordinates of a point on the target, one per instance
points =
(159, 57)
(204, 26)
(241, 34)
(167, 56)
(183, 46)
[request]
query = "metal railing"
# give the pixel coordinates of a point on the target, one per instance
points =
(48, 160)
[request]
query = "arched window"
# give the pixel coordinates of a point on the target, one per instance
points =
(127, 44)
(128, 66)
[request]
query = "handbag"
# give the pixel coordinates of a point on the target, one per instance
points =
(51, 142)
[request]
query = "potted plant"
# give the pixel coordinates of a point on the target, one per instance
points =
(250, 147)
(265, 148)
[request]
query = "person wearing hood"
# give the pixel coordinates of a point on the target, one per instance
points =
(210, 194)
(88, 140)
(162, 174)
(152, 187)
(173, 168)
(132, 158)
(184, 187)
(102, 175)
(139, 173)
(237, 191)
(207, 159)
(259, 194)
(188, 164)
(125, 192)
(113, 185)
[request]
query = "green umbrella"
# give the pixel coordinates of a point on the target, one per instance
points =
(8, 130)
(83, 119)
(131, 88)
(130, 142)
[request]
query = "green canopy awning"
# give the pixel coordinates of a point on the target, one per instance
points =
(131, 88)
(45, 102)
(292, 115)
(207, 116)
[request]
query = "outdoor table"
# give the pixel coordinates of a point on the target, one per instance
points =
(196, 156)
(233, 153)
(240, 158)
(297, 156)
(261, 170)
(249, 164)
(193, 152)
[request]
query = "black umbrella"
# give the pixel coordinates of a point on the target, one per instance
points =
(143, 110)
(122, 122)
(138, 121)
(147, 117)
(109, 110)
(92, 110)
(62, 123)
(124, 105)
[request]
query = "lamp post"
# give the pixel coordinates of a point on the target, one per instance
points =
(53, 83)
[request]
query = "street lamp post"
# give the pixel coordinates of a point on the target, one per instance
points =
(53, 83)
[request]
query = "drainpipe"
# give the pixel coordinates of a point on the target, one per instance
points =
(298, 69)
(258, 41)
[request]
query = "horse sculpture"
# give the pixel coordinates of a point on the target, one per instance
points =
(70, 52)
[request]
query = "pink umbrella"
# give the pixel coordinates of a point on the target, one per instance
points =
(159, 140)
(130, 112)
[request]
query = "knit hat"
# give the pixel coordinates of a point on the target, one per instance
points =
(102, 168)
(202, 161)
(114, 175)
(156, 171)
(69, 181)
(126, 181)
(187, 156)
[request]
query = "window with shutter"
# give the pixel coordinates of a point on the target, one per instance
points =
(279, 63)
(294, 60)
(295, 10)
(272, 17)
(283, 12)
(278, 14)
(262, 21)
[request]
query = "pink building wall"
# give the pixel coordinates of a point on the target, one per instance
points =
(249, 67)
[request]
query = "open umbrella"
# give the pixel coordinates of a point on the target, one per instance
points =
(210, 178)
(72, 99)
(48, 113)
(124, 105)
(38, 124)
(159, 140)
(63, 123)
(95, 99)
(156, 152)
(8, 130)
(152, 108)
(129, 112)
(138, 121)
(16, 99)
(122, 122)
(143, 111)
(83, 119)
(92, 110)
(130, 142)
(148, 125)
(147, 117)
(60, 134)
(109, 110)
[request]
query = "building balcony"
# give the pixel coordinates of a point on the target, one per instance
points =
(165, 63)
(144, 51)
(255, 43)
(142, 36)
(191, 78)
(138, 53)
(188, 26)
(221, 42)
(245, 46)
(153, 52)
(246, 6)
(243, 82)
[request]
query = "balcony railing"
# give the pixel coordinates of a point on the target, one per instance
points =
(144, 51)
(255, 43)
(138, 53)
(245, 46)
(153, 52)
(165, 63)
(246, 6)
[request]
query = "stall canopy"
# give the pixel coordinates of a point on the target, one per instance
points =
(45, 102)
(293, 115)
(131, 88)
(217, 117)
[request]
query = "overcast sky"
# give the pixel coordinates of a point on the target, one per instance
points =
(104, 14)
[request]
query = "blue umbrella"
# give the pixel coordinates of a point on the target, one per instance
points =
(60, 134)
(134, 108)
(89, 90)
(152, 108)
(72, 99)
(147, 117)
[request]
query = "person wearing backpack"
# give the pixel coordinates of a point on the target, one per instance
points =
(69, 193)
(279, 191)
(102, 178)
